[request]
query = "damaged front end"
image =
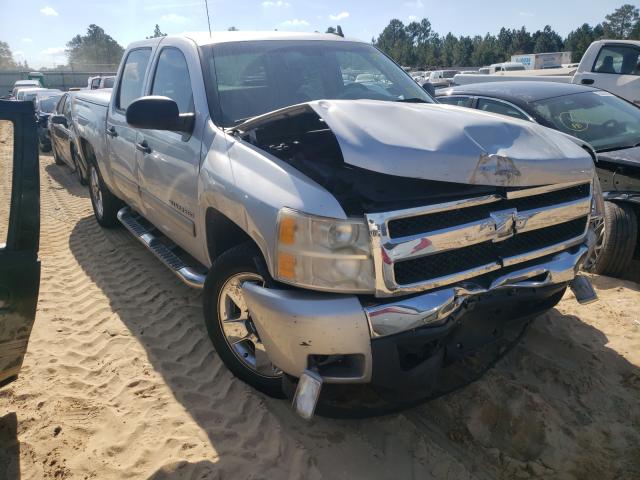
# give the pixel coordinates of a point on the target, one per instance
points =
(475, 225)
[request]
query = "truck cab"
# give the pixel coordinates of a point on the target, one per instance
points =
(612, 65)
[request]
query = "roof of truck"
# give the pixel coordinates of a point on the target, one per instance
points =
(203, 38)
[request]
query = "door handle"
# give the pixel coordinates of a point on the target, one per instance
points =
(112, 132)
(587, 81)
(143, 147)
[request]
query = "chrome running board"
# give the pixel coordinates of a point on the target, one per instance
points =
(166, 255)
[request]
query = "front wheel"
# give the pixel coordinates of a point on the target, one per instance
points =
(105, 204)
(229, 323)
(56, 157)
(616, 245)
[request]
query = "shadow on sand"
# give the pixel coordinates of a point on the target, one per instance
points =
(466, 428)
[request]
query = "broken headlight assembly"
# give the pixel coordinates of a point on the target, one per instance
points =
(323, 253)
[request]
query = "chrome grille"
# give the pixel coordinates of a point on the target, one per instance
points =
(428, 247)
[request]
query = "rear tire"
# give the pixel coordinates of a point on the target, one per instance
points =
(76, 163)
(620, 237)
(105, 204)
(228, 322)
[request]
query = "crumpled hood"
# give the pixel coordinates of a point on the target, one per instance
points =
(451, 144)
(628, 157)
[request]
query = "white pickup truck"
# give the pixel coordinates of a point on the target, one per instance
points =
(612, 65)
(344, 232)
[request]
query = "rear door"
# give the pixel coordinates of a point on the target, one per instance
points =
(121, 138)
(616, 69)
(19, 233)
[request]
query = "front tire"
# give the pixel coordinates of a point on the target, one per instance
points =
(105, 204)
(619, 241)
(56, 157)
(229, 324)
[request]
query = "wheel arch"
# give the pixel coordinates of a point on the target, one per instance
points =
(222, 234)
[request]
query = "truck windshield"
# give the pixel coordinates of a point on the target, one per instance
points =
(253, 78)
(599, 118)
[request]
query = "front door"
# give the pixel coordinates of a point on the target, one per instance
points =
(121, 138)
(19, 233)
(169, 161)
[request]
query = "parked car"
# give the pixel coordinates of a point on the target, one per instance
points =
(24, 84)
(19, 262)
(343, 232)
(64, 139)
(506, 67)
(442, 78)
(27, 94)
(611, 125)
(612, 65)
(96, 83)
(44, 104)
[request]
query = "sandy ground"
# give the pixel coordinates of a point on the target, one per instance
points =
(120, 381)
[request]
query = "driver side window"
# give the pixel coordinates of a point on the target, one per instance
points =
(172, 79)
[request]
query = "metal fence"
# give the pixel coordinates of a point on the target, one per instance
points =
(62, 80)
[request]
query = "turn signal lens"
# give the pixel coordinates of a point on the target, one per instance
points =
(287, 231)
(286, 266)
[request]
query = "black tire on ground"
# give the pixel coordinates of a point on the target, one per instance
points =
(620, 237)
(105, 204)
(56, 157)
(235, 261)
(82, 178)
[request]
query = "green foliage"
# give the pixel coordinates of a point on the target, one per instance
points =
(416, 44)
(94, 49)
(6, 57)
(157, 32)
(622, 22)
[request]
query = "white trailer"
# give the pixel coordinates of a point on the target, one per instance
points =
(539, 61)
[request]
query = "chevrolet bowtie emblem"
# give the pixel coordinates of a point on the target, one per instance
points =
(505, 222)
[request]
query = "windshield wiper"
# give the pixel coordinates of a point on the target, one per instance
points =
(413, 100)
(612, 149)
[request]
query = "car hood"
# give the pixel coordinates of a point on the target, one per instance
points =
(451, 144)
(629, 157)
(444, 143)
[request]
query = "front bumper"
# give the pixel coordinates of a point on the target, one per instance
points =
(352, 342)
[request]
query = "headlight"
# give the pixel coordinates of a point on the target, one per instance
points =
(324, 253)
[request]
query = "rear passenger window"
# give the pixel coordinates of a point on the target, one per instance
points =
(132, 77)
(172, 79)
(618, 59)
(502, 108)
(457, 100)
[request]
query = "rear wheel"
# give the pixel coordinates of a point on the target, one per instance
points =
(229, 323)
(82, 178)
(616, 246)
(105, 204)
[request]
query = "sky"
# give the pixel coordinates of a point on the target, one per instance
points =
(37, 31)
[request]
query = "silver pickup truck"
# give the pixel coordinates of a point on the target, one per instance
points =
(345, 228)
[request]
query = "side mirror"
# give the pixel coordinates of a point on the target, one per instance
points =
(58, 120)
(159, 113)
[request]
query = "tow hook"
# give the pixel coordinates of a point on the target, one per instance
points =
(307, 394)
(583, 290)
